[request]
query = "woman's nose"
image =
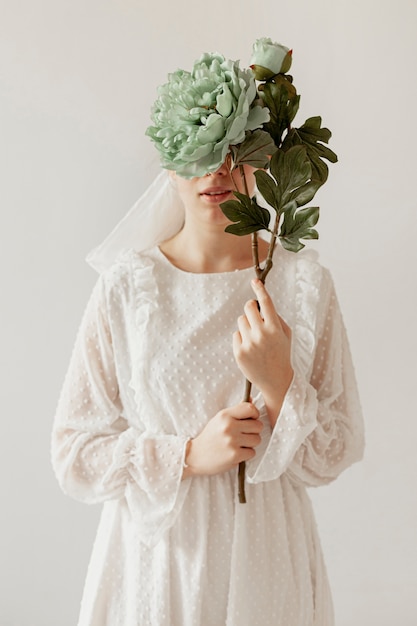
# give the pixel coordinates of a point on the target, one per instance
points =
(223, 170)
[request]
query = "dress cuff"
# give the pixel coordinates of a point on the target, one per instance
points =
(297, 419)
(155, 491)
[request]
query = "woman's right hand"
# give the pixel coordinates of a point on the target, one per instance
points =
(230, 437)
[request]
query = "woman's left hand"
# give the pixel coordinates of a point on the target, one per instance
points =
(262, 349)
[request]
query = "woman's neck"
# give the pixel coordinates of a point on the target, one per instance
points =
(210, 250)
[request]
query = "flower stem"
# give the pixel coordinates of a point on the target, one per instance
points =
(268, 261)
(241, 482)
(243, 177)
(255, 255)
(261, 273)
(242, 464)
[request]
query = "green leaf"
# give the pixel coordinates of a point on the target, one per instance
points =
(297, 168)
(268, 189)
(313, 125)
(292, 139)
(290, 169)
(281, 98)
(298, 225)
(312, 136)
(305, 193)
(319, 169)
(248, 215)
(275, 165)
(255, 150)
(292, 245)
(241, 229)
(292, 108)
(325, 152)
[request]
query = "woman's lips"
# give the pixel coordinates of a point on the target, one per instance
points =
(215, 194)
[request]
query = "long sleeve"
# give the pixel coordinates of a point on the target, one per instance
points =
(319, 431)
(96, 454)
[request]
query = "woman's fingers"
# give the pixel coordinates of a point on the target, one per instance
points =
(243, 325)
(258, 311)
(228, 438)
(252, 314)
(248, 424)
(262, 347)
(244, 411)
(261, 311)
(267, 308)
(285, 327)
(250, 441)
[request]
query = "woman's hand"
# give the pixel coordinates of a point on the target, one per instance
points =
(229, 438)
(262, 349)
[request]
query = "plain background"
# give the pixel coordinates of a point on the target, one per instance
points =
(77, 82)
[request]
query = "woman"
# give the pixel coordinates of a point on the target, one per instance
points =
(151, 422)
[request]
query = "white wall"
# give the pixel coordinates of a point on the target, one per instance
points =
(77, 81)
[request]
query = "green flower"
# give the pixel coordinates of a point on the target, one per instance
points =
(199, 114)
(269, 58)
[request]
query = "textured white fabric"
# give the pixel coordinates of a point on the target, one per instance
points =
(152, 364)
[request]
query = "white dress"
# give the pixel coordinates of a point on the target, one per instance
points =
(152, 364)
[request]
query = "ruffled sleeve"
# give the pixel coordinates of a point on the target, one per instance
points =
(319, 431)
(97, 454)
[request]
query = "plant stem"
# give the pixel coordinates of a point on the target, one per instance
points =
(242, 465)
(255, 254)
(241, 482)
(261, 273)
(243, 177)
(268, 262)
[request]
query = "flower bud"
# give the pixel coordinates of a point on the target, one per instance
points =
(269, 58)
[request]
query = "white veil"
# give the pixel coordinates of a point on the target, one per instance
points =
(156, 216)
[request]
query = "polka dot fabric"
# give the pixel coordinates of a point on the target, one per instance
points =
(152, 364)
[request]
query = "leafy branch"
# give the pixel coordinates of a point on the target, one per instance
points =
(291, 167)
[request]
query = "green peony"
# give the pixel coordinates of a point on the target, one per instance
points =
(269, 58)
(199, 114)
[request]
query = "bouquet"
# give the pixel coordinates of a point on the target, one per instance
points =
(220, 113)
